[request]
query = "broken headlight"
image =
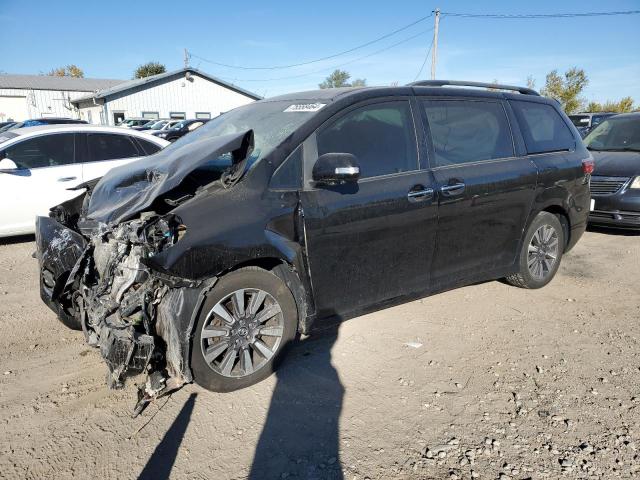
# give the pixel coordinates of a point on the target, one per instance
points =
(164, 232)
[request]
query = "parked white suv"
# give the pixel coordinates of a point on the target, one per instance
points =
(38, 166)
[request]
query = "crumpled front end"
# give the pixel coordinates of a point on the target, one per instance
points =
(139, 318)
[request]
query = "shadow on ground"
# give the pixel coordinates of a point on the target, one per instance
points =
(17, 239)
(161, 461)
(300, 437)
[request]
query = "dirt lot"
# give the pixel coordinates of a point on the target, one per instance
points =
(487, 381)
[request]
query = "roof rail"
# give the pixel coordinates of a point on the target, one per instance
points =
(462, 83)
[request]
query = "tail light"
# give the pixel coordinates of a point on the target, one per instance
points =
(588, 166)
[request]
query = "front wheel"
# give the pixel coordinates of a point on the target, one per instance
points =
(541, 252)
(244, 327)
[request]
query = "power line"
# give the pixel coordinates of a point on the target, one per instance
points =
(540, 15)
(426, 57)
(328, 57)
(330, 68)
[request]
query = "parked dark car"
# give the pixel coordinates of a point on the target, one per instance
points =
(34, 122)
(585, 122)
(615, 184)
(181, 129)
(203, 261)
(6, 125)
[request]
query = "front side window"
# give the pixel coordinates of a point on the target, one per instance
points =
(542, 127)
(105, 146)
(44, 151)
(464, 131)
(381, 136)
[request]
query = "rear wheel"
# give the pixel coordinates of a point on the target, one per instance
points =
(245, 325)
(541, 252)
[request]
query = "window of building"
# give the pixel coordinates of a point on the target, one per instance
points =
(542, 127)
(106, 146)
(381, 136)
(177, 115)
(43, 151)
(464, 131)
(203, 115)
(151, 115)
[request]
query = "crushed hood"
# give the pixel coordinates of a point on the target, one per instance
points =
(129, 189)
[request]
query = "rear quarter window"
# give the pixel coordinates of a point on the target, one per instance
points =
(543, 129)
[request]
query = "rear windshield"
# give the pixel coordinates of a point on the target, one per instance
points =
(4, 136)
(580, 120)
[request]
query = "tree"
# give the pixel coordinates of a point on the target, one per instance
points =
(567, 88)
(624, 105)
(148, 69)
(339, 78)
(67, 71)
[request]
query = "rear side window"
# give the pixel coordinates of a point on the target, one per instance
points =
(44, 151)
(105, 146)
(148, 147)
(542, 127)
(464, 131)
(381, 136)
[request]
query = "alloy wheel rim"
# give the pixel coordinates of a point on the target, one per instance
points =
(542, 252)
(242, 332)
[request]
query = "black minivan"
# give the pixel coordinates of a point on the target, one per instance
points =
(203, 261)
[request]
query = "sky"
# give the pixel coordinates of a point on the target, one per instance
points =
(110, 39)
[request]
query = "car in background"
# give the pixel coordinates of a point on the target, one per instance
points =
(181, 128)
(6, 125)
(34, 122)
(585, 122)
(151, 124)
(39, 165)
(134, 122)
(615, 183)
(156, 129)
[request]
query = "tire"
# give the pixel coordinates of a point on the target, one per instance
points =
(243, 329)
(543, 266)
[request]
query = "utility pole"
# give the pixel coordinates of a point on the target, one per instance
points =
(434, 52)
(186, 58)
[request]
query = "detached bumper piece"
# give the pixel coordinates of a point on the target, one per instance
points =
(125, 352)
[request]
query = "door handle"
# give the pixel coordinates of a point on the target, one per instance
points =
(452, 190)
(66, 179)
(420, 193)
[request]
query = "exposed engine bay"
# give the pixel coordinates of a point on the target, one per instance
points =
(97, 270)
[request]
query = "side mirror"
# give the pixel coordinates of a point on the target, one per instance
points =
(336, 169)
(7, 165)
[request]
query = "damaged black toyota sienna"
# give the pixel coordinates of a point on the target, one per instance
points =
(203, 261)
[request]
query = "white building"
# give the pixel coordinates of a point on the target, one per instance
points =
(184, 93)
(34, 96)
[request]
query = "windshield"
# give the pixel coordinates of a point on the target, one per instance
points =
(4, 136)
(158, 125)
(616, 133)
(271, 123)
(580, 120)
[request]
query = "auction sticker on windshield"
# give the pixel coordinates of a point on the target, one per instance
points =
(304, 107)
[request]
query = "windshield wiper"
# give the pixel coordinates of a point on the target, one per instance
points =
(622, 149)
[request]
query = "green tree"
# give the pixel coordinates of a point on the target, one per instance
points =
(148, 69)
(624, 105)
(566, 88)
(67, 71)
(340, 78)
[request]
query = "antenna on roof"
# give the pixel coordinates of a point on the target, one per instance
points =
(187, 56)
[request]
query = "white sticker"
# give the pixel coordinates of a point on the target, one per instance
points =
(592, 205)
(304, 107)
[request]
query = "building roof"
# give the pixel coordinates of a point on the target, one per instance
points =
(47, 82)
(150, 81)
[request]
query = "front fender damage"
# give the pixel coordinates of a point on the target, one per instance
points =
(140, 319)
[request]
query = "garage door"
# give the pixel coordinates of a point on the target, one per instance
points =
(13, 108)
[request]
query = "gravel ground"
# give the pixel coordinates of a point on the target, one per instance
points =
(487, 381)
